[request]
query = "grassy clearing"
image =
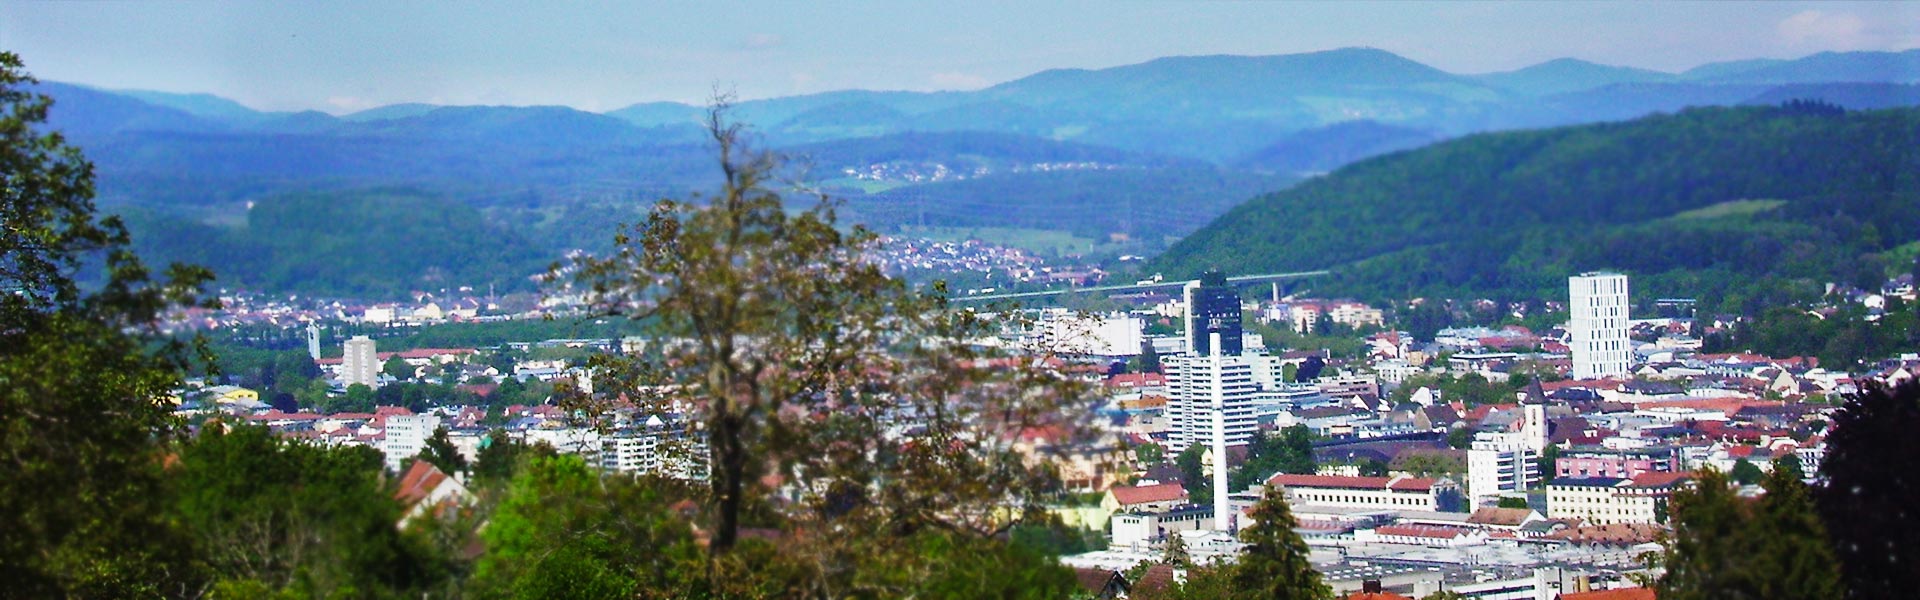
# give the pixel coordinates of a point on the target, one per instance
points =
(1734, 208)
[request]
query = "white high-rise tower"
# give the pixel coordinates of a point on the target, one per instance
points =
(1598, 303)
(360, 364)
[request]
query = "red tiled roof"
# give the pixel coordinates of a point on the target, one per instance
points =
(1376, 596)
(1425, 531)
(1653, 479)
(419, 481)
(1489, 515)
(1165, 492)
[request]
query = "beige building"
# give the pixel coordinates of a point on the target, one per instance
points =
(1609, 500)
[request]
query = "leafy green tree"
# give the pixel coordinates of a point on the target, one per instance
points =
(564, 531)
(794, 353)
(1290, 451)
(306, 519)
(1791, 542)
(1871, 489)
(1549, 464)
(1512, 502)
(1746, 473)
(397, 368)
(1705, 557)
(1149, 454)
(1460, 438)
(1193, 474)
(84, 382)
(439, 452)
(1274, 563)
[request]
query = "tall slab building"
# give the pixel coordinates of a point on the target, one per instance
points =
(1212, 386)
(1598, 304)
(360, 364)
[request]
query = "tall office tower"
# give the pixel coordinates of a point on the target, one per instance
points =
(1195, 385)
(1213, 307)
(1598, 302)
(361, 364)
(406, 436)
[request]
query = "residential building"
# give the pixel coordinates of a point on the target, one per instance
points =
(1611, 500)
(406, 436)
(1598, 329)
(1144, 498)
(360, 364)
(1597, 461)
(1502, 462)
(1400, 493)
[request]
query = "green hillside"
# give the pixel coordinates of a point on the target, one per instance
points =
(1512, 214)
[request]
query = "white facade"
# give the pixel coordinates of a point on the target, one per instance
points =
(1498, 463)
(1113, 335)
(1366, 493)
(1194, 383)
(360, 364)
(1598, 303)
(406, 437)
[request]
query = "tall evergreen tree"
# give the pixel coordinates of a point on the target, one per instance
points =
(1790, 542)
(1274, 564)
(1871, 495)
(1710, 537)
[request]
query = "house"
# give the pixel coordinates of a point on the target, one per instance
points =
(1638, 593)
(426, 488)
(1144, 498)
(1104, 584)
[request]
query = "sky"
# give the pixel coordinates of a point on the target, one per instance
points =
(340, 57)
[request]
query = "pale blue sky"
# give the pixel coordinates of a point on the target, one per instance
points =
(344, 56)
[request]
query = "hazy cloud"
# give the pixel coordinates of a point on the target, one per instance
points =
(347, 104)
(1838, 31)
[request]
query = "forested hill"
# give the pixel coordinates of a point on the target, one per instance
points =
(1728, 204)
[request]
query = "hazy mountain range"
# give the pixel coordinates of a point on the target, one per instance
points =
(1237, 125)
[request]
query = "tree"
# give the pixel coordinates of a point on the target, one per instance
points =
(308, 519)
(1460, 438)
(1549, 462)
(1745, 472)
(1791, 542)
(796, 356)
(1193, 474)
(1704, 557)
(397, 368)
(1512, 502)
(1870, 490)
(1149, 454)
(84, 401)
(1274, 563)
(439, 452)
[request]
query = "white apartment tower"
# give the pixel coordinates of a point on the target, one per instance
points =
(360, 364)
(1598, 303)
(406, 436)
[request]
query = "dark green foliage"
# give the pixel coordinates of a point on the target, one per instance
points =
(1745, 472)
(1460, 437)
(294, 516)
(83, 390)
(562, 528)
(1274, 563)
(441, 453)
(374, 243)
(1512, 502)
(1145, 204)
(1847, 338)
(1289, 450)
(1549, 459)
(1193, 474)
(1871, 491)
(1515, 213)
(1724, 546)
(1471, 388)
